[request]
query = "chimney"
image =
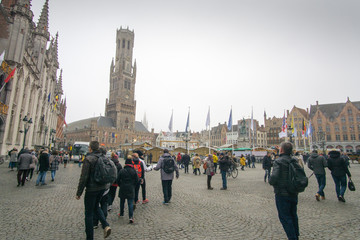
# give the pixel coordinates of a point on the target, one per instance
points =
(317, 103)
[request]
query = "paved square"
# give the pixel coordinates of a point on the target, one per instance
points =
(245, 211)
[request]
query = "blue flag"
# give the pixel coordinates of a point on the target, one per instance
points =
(229, 126)
(49, 97)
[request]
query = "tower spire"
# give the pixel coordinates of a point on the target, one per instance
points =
(55, 50)
(43, 23)
(60, 90)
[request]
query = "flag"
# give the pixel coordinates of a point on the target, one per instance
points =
(2, 57)
(171, 122)
(65, 123)
(292, 125)
(303, 128)
(112, 135)
(208, 119)
(252, 120)
(49, 97)
(284, 124)
(57, 98)
(294, 134)
(282, 134)
(309, 130)
(187, 122)
(116, 135)
(229, 126)
(10, 75)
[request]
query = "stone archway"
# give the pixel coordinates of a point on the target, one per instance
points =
(340, 147)
(349, 148)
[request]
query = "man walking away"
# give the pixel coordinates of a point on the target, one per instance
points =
(24, 166)
(253, 160)
(43, 167)
(13, 158)
(318, 164)
(143, 182)
(267, 166)
(93, 193)
(197, 164)
(339, 170)
(167, 165)
(286, 202)
(185, 161)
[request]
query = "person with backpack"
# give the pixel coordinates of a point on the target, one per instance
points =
(286, 200)
(127, 181)
(43, 167)
(66, 159)
(224, 166)
(318, 164)
(94, 191)
(25, 161)
(197, 164)
(54, 161)
(114, 185)
(13, 158)
(339, 170)
(139, 168)
(209, 170)
(167, 165)
(143, 182)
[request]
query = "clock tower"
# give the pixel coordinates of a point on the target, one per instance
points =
(121, 104)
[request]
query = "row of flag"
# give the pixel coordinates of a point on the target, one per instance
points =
(306, 130)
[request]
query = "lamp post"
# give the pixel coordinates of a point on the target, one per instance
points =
(321, 140)
(51, 138)
(27, 123)
(186, 140)
(290, 131)
(45, 130)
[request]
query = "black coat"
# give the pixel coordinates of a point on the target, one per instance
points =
(185, 159)
(267, 163)
(44, 162)
(224, 163)
(127, 180)
(337, 165)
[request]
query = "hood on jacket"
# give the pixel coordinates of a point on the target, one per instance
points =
(334, 154)
(314, 155)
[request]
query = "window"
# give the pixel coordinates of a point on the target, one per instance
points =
(351, 119)
(358, 118)
(343, 120)
(344, 128)
(337, 137)
(337, 128)
(345, 137)
(352, 128)
(127, 84)
(123, 43)
(319, 121)
(327, 128)
(128, 44)
(349, 111)
(320, 129)
(328, 137)
(352, 136)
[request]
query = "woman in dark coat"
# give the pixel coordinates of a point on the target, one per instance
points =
(43, 167)
(127, 180)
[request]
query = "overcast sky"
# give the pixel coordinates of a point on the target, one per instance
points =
(269, 54)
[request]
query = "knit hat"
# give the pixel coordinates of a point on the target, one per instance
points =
(128, 161)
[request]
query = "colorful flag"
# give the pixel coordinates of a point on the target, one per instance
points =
(309, 130)
(229, 126)
(112, 135)
(283, 132)
(171, 122)
(10, 75)
(2, 57)
(292, 125)
(49, 97)
(208, 119)
(303, 128)
(187, 122)
(294, 134)
(57, 98)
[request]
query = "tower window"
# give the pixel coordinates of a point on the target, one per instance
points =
(123, 43)
(128, 44)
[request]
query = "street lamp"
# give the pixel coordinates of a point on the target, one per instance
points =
(321, 140)
(27, 123)
(51, 138)
(290, 131)
(186, 140)
(45, 130)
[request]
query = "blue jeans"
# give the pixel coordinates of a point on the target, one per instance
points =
(321, 179)
(41, 177)
(92, 206)
(104, 208)
(267, 174)
(130, 202)
(340, 185)
(53, 172)
(167, 190)
(287, 211)
(224, 180)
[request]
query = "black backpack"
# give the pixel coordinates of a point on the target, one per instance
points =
(169, 165)
(297, 181)
(105, 170)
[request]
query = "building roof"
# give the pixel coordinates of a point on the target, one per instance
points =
(330, 110)
(86, 123)
(139, 127)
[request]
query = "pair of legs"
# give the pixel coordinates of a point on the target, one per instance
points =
(23, 178)
(340, 185)
(287, 211)
(224, 180)
(196, 170)
(267, 174)
(167, 190)
(103, 206)
(92, 207)
(130, 202)
(53, 173)
(41, 178)
(186, 168)
(321, 179)
(209, 182)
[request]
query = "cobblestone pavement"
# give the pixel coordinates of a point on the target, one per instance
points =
(245, 211)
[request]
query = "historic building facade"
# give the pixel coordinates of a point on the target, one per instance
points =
(336, 125)
(118, 126)
(178, 140)
(273, 128)
(298, 120)
(33, 95)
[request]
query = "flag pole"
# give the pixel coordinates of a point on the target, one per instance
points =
(209, 129)
(232, 135)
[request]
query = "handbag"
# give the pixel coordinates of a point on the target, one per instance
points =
(351, 185)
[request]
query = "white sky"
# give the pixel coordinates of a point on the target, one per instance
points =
(271, 55)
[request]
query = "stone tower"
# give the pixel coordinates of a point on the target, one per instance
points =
(121, 105)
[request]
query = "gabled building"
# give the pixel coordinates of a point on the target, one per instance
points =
(298, 120)
(336, 125)
(218, 135)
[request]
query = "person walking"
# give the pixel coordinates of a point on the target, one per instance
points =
(32, 165)
(94, 192)
(178, 160)
(197, 164)
(43, 167)
(113, 186)
(300, 159)
(13, 158)
(167, 165)
(127, 180)
(253, 160)
(225, 163)
(54, 161)
(215, 161)
(185, 161)
(267, 166)
(143, 182)
(210, 170)
(318, 164)
(243, 162)
(66, 158)
(286, 202)
(24, 166)
(339, 170)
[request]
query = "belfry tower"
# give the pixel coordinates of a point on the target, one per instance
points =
(121, 104)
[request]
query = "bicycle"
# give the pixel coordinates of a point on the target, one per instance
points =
(232, 171)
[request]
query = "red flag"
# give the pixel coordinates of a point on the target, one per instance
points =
(10, 75)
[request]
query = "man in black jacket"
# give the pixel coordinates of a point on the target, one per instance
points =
(286, 202)
(267, 166)
(185, 160)
(93, 193)
(224, 167)
(318, 164)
